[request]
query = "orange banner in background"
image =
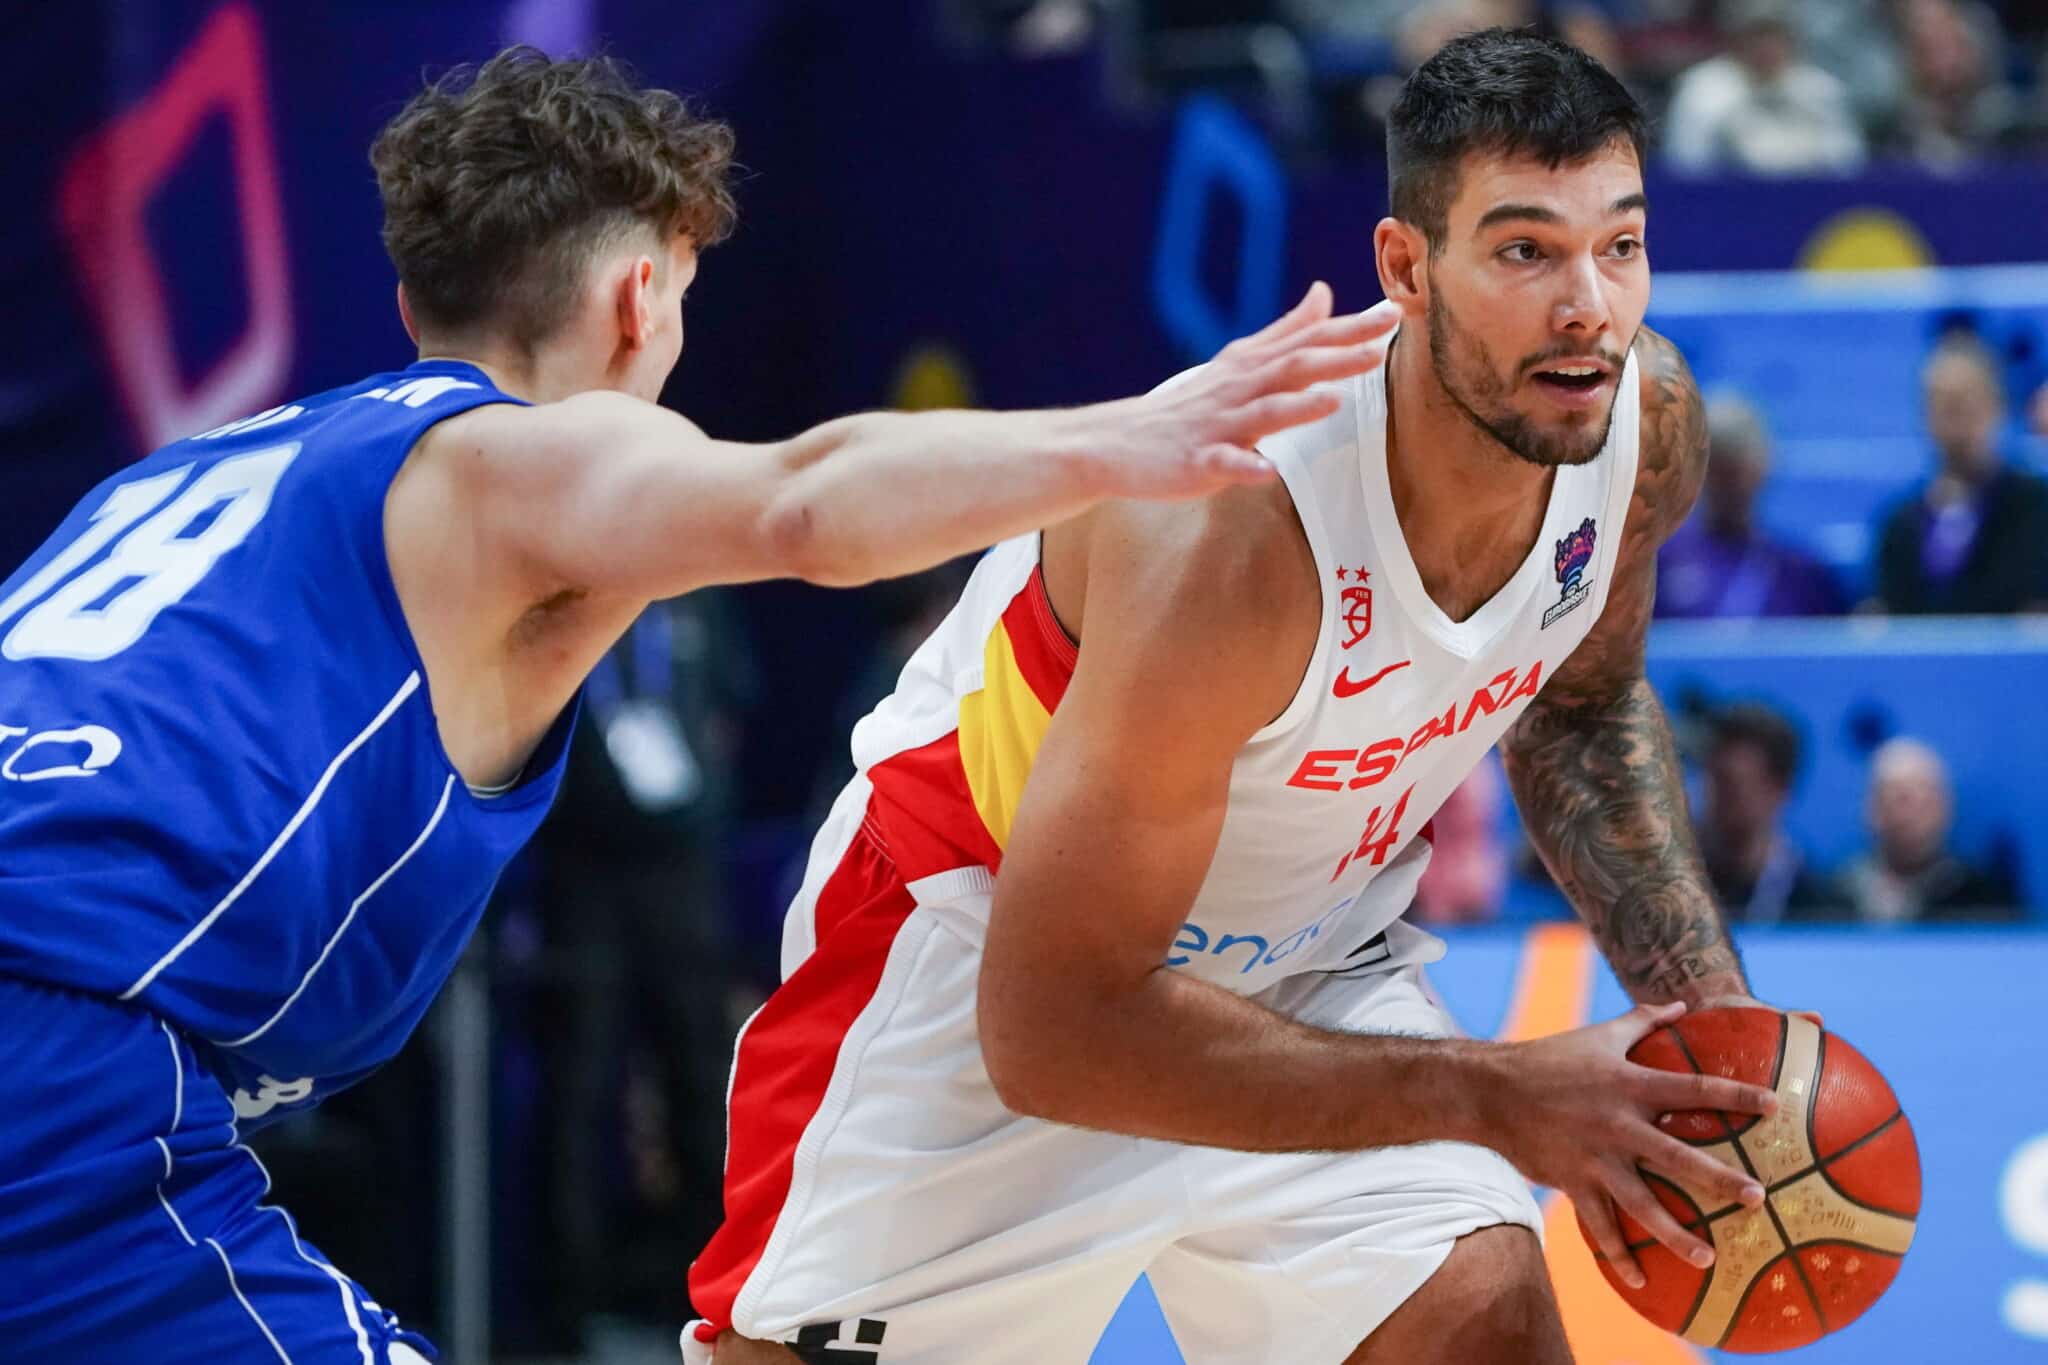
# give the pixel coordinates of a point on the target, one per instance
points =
(1553, 993)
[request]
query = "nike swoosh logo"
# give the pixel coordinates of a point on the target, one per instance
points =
(1345, 687)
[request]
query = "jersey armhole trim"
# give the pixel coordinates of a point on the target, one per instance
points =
(1301, 493)
(554, 742)
(1064, 647)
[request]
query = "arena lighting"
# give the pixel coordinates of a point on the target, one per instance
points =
(103, 199)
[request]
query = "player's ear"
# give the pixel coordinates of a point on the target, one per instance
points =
(1399, 250)
(412, 328)
(633, 297)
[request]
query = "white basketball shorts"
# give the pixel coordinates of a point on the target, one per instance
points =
(883, 1206)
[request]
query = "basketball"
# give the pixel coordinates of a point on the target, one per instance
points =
(1841, 1172)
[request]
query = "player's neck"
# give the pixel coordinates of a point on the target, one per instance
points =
(538, 378)
(1448, 477)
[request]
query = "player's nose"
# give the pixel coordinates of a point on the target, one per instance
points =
(1581, 305)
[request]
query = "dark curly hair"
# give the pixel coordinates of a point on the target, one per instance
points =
(499, 181)
(1509, 92)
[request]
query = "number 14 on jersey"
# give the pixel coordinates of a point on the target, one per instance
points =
(1382, 832)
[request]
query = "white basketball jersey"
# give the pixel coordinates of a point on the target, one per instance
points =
(1327, 827)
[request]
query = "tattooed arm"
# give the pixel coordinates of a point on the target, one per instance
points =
(1592, 764)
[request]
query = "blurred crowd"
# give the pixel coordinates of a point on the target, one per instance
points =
(1970, 538)
(1768, 87)
(1745, 758)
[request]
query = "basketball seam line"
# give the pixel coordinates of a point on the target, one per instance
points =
(1735, 1140)
(1703, 1219)
(1844, 1195)
(1756, 1282)
(1896, 1115)
(1850, 1242)
(1822, 1168)
(1742, 1155)
(1820, 1060)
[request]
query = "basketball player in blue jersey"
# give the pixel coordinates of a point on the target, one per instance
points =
(278, 702)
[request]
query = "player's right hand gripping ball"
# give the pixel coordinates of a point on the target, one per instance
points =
(1842, 1173)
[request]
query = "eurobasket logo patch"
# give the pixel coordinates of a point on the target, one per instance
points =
(1574, 557)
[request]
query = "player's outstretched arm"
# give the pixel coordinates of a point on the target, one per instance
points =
(1592, 763)
(610, 496)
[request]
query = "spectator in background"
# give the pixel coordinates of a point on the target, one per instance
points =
(1426, 25)
(1759, 107)
(1957, 105)
(1759, 875)
(1974, 538)
(1721, 563)
(1857, 42)
(1417, 28)
(1361, 50)
(1910, 876)
(1467, 876)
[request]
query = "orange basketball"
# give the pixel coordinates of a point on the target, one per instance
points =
(1841, 1171)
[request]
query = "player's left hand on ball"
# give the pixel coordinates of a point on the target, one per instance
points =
(1573, 1112)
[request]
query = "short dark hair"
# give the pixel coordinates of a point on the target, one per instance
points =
(1511, 92)
(499, 181)
(1762, 728)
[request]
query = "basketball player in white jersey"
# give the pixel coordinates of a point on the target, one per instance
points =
(1098, 968)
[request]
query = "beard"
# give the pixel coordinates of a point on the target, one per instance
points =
(1466, 371)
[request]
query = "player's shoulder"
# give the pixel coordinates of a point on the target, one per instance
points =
(1215, 603)
(1664, 375)
(1672, 453)
(1230, 566)
(527, 447)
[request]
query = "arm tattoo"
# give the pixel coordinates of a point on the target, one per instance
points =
(1598, 787)
(1593, 767)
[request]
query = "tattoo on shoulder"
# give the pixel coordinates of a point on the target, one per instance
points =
(1673, 459)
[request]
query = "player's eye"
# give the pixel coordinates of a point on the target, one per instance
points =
(1627, 247)
(1521, 253)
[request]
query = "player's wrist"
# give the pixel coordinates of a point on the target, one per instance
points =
(1087, 446)
(1476, 1082)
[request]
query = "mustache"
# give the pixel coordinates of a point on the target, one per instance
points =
(1569, 355)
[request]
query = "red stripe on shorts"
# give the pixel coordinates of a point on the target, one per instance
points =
(786, 1060)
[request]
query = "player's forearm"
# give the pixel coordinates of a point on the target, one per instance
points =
(882, 494)
(1185, 1061)
(1598, 786)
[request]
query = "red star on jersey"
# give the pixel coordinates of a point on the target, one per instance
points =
(1342, 572)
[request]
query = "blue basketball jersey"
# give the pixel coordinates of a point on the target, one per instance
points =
(223, 797)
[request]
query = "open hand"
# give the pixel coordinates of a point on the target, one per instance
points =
(1574, 1113)
(1200, 433)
